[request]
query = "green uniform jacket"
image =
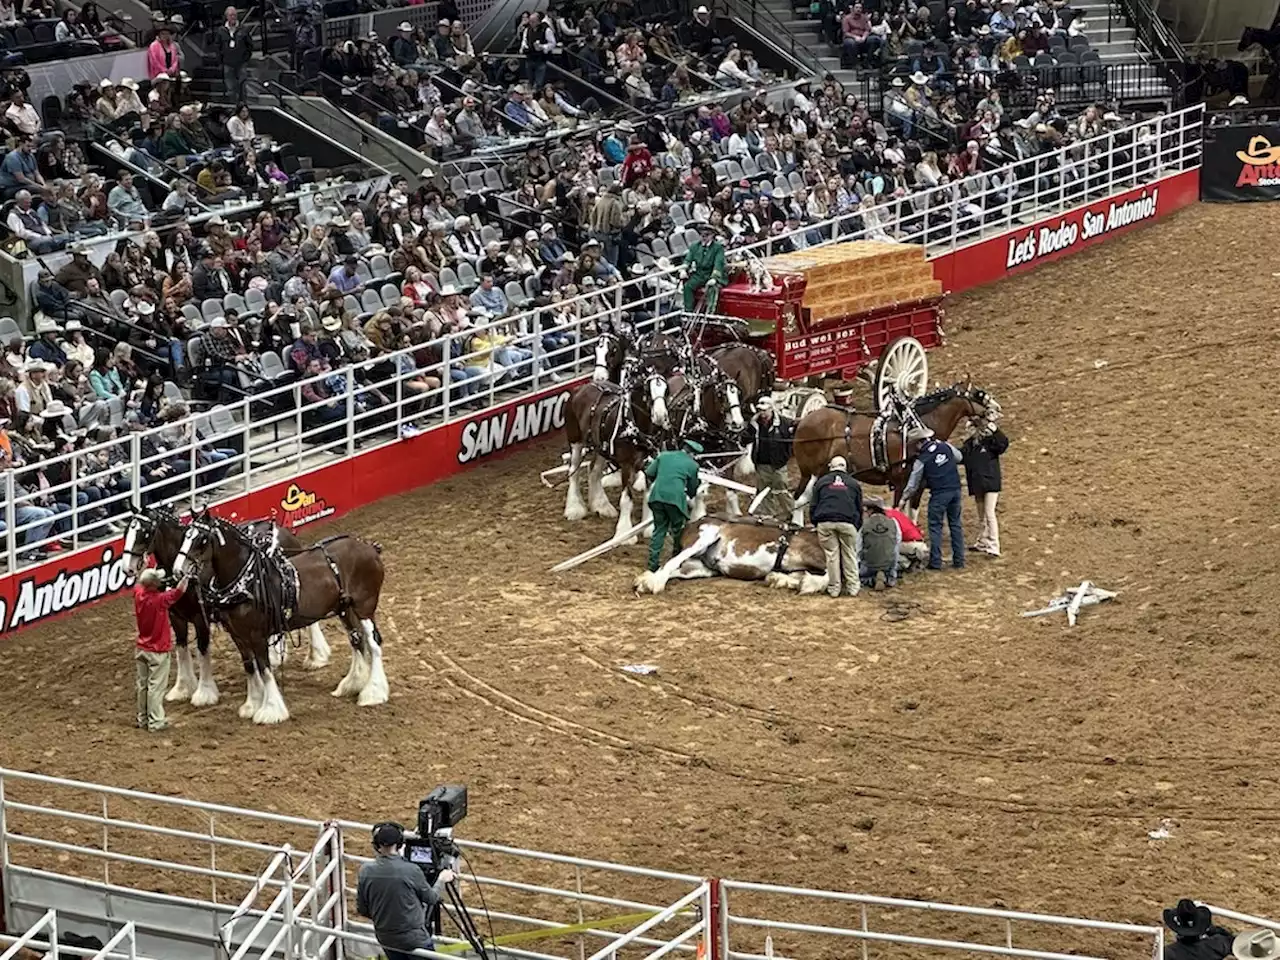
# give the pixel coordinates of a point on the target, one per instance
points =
(673, 479)
(706, 262)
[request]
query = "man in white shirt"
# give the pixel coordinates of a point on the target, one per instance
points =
(23, 221)
(439, 132)
(22, 115)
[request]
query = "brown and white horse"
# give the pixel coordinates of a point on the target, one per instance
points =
(744, 550)
(339, 576)
(609, 423)
(158, 532)
(831, 431)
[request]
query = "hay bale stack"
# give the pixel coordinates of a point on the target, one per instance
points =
(858, 276)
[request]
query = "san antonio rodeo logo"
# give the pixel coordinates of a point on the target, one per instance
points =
(1260, 164)
(302, 507)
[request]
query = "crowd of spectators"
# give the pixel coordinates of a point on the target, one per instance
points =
(482, 283)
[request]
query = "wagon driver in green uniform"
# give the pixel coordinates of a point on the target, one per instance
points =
(704, 268)
(673, 482)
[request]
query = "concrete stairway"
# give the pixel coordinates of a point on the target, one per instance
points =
(1105, 26)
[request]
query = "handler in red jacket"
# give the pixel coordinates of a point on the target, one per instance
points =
(155, 640)
(913, 547)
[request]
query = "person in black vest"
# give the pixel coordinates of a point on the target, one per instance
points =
(837, 513)
(937, 466)
(982, 451)
(770, 452)
(1196, 936)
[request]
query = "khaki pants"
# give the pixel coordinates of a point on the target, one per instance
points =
(778, 503)
(840, 544)
(152, 679)
(988, 527)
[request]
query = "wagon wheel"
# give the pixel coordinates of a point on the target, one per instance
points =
(903, 366)
(810, 401)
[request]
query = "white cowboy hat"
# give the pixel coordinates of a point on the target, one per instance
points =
(919, 433)
(1256, 945)
(129, 83)
(897, 82)
(448, 290)
(919, 77)
(218, 322)
(569, 257)
(405, 26)
(73, 325)
(55, 409)
(36, 366)
(837, 463)
(45, 325)
(158, 77)
(145, 308)
(701, 10)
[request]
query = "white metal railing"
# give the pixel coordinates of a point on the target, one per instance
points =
(47, 922)
(281, 431)
(865, 934)
(231, 857)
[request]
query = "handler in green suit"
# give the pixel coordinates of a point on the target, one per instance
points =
(704, 267)
(673, 482)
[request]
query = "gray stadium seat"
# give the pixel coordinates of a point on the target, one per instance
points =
(492, 179)
(350, 304)
(489, 232)
(9, 329)
(233, 301)
(118, 297)
(255, 301)
(515, 294)
(363, 271)
(370, 301)
(390, 294)
(475, 182)
(379, 266)
(448, 277)
(467, 276)
(211, 308)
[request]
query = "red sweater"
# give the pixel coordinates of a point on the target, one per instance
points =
(910, 532)
(151, 609)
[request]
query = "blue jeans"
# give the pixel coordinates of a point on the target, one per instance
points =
(177, 356)
(41, 516)
(945, 503)
(515, 359)
(467, 379)
(217, 455)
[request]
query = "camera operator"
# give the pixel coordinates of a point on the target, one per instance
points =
(394, 894)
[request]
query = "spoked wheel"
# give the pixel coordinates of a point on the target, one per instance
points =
(812, 400)
(903, 366)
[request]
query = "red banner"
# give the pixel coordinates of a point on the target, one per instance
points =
(1054, 237)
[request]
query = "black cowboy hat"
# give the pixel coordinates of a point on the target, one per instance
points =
(1188, 919)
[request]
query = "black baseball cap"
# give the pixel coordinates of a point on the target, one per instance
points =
(388, 835)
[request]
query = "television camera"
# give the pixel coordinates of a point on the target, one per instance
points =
(432, 848)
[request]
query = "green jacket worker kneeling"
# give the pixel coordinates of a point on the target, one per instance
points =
(394, 894)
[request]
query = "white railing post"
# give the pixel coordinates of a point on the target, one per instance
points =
(10, 525)
(5, 907)
(135, 468)
(351, 410)
(446, 376)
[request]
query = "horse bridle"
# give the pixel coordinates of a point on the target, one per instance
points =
(148, 524)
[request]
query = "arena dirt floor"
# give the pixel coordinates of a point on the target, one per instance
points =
(925, 743)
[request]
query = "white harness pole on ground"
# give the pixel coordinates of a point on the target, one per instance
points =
(619, 539)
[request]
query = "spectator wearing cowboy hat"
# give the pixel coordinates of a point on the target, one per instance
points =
(937, 466)
(837, 513)
(1195, 935)
(673, 482)
(1256, 945)
(153, 645)
(770, 452)
(881, 542)
(34, 394)
(982, 450)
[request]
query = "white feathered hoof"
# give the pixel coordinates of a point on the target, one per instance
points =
(179, 693)
(377, 690)
(272, 709)
(318, 655)
(780, 581)
(355, 680)
(649, 582)
(575, 512)
(811, 583)
(206, 695)
(606, 509)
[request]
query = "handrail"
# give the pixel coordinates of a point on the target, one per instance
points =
(937, 218)
(1152, 31)
(799, 54)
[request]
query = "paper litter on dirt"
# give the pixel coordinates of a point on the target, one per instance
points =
(644, 669)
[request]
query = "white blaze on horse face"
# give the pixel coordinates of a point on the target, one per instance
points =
(601, 371)
(185, 552)
(734, 401)
(132, 557)
(658, 401)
